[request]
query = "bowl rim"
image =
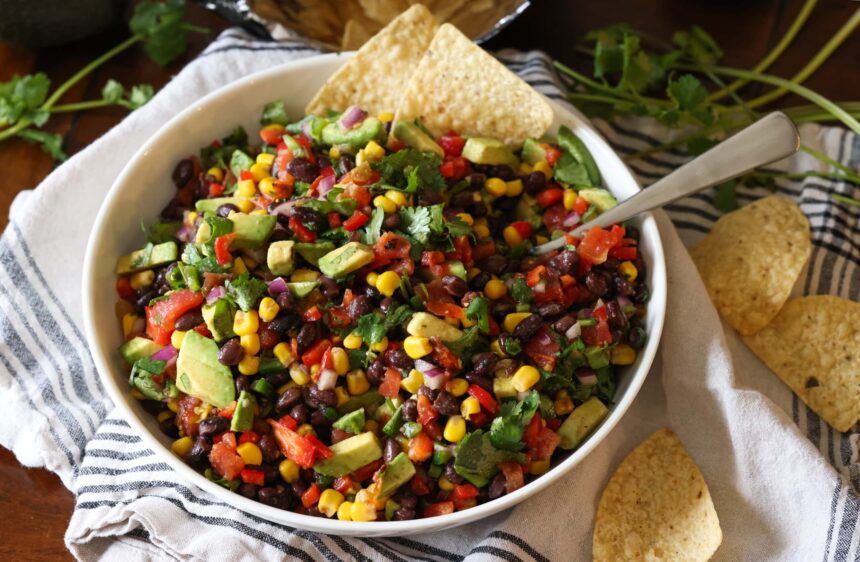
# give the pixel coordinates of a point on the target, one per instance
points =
(121, 397)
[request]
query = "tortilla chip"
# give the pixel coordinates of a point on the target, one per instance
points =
(656, 507)
(813, 345)
(751, 260)
(459, 86)
(373, 79)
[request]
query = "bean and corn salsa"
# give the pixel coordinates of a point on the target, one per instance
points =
(345, 321)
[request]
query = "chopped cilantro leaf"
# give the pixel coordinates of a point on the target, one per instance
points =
(274, 112)
(521, 292)
(411, 169)
(246, 290)
(373, 230)
(479, 311)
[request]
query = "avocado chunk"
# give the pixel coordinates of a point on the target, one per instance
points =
(528, 210)
(251, 231)
(532, 152)
(457, 268)
(352, 422)
(200, 374)
(147, 258)
(580, 422)
(313, 251)
(600, 198)
(219, 319)
(239, 162)
(302, 288)
(279, 258)
(345, 259)
(397, 473)
(368, 400)
(574, 146)
(211, 205)
(426, 325)
(370, 129)
(350, 454)
(411, 135)
(489, 151)
(243, 416)
(138, 348)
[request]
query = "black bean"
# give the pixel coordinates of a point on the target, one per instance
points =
(276, 496)
(462, 200)
(430, 393)
(513, 266)
(503, 171)
(446, 404)
(284, 300)
(530, 262)
(269, 447)
(615, 315)
(199, 454)
(454, 285)
(565, 262)
(359, 306)
(410, 410)
(534, 182)
(478, 281)
(277, 380)
(279, 234)
(225, 209)
(307, 216)
(451, 474)
(299, 412)
(623, 286)
(231, 352)
(212, 426)
(483, 381)
(173, 211)
(308, 335)
(302, 169)
(483, 363)
(564, 323)
(241, 383)
(376, 372)
(344, 165)
(642, 294)
(497, 486)
(476, 181)
(528, 327)
(319, 420)
(168, 427)
(372, 294)
(403, 514)
(316, 397)
(323, 160)
(502, 308)
(550, 309)
(201, 187)
(610, 265)
(329, 287)
(314, 511)
(494, 264)
(391, 450)
(248, 490)
(406, 497)
(182, 172)
(189, 320)
(288, 399)
(596, 283)
(270, 473)
(143, 299)
(636, 337)
(427, 198)
(398, 358)
(299, 487)
(385, 304)
(391, 221)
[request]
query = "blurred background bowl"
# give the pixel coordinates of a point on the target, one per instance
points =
(45, 23)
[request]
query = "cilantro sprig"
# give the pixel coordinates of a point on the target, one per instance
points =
(25, 103)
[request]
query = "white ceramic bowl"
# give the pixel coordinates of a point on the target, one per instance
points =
(144, 187)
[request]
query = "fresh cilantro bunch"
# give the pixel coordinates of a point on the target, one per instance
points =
(25, 103)
(681, 84)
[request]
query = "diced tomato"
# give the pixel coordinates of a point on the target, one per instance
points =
(419, 485)
(601, 314)
(313, 314)
(598, 334)
(289, 422)
(272, 135)
(443, 356)
(484, 398)
(390, 386)
(580, 206)
(334, 220)
(250, 476)
(552, 154)
(225, 460)
(463, 492)
(462, 250)
(356, 221)
(293, 446)
(542, 445)
(433, 430)
(549, 196)
(360, 176)
(514, 478)
(532, 429)
(595, 245)
(483, 250)
(123, 288)
(553, 424)
(216, 190)
(301, 232)
(439, 508)
(250, 437)
(451, 143)
(320, 448)
(479, 419)
(343, 484)
(359, 193)
(535, 275)
(623, 253)
(338, 318)
(390, 247)
(228, 411)
(186, 418)
(553, 217)
(283, 158)
(366, 471)
(445, 309)
(161, 317)
(426, 411)
(315, 354)
(246, 175)
(432, 257)
(222, 248)
(454, 169)
(311, 495)
(305, 143)
(420, 448)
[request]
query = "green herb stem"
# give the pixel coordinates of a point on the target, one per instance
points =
(845, 199)
(595, 85)
(828, 160)
(80, 106)
(812, 174)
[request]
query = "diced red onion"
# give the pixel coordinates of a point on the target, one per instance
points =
(584, 314)
(214, 294)
(306, 129)
(433, 376)
(327, 380)
(185, 234)
(571, 220)
(540, 287)
(284, 208)
(598, 304)
(353, 116)
(624, 301)
(325, 185)
(434, 382)
(586, 377)
(574, 331)
(277, 286)
(166, 353)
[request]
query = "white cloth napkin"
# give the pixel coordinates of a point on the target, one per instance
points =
(782, 481)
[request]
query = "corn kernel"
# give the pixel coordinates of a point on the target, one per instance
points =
(514, 188)
(417, 347)
(539, 467)
(268, 309)
(342, 395)
(182, 446)
(569, 199)
(511, 320)
(458, 387)
(445, 484)
(289, 470)
(303, 275)
(512, 236)
(203, 234)
(541, 239)
(245, 323)
(142, 279)
(344, 511)
(306, 429)
(481, 231)
(413, 382)
(173, 406)
(300, 374)
(472, 272)
(259, 213)
(525, 169)
(239, 267)
(371, 279)
(385, 204)
(628, 270)
(246, 188)
(360, 158)
(250, 453)
(363, 511)
(356, 382)
(191, 218)
(249, 365)
(215, 173)
(352, 341)
(250, 343)
(315, 368)
(525, 378)
(373, 151)
(330, 501)
(370, 425)
(495, 289)
(284, 354)
(259, 171)
(470, 406)
(267, 186)
(455, 429)
(496, 348)
(334, 152)
(496, 187)
(397, 196)
(544, 168)
(245, 205)
(563, 405)
(176, 338)
(379, 346)
(266, 159)
(164, 415)
(128, 321)
(385, 116)
(388, 283)
(466, 218)
(340, 360)
(622, 354)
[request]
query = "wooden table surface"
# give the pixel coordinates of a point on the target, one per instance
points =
(35, 504)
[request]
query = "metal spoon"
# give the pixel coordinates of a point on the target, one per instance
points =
(769, 139)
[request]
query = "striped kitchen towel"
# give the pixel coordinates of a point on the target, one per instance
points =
(783, 482)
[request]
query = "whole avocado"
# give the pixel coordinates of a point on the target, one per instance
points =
(46, 23)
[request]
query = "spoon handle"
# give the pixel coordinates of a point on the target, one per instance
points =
(769, 139)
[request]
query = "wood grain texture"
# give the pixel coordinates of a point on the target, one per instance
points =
(746, 29)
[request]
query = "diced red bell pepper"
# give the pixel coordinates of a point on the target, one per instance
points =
(390, 387)
(551, 153)
(246, 175)
(439, 508)
(222, 248)
(313, 314)
(289, 422)
(426, 411)
(463, 250)
(483, 249)
(463, 492)
(338, 318)
(484, 398)
(454, 169)
(446, 309)
(250, 437)
(419, 485)
(334, 219)
(311, 496)
(580, 206)
(420, 448)
(549, 196)
(523, 228)
(315, 354)
(224, 458)
(251, 476)
(366, 471)
(161, 317)
(535, 275)
(272, 135)
(293, 446)
(356, 221)
(451, 143)
(320, 448)
(216, 190)
(624, 253)
(301, 232)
